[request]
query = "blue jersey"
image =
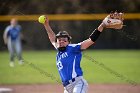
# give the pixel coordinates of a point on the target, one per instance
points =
(68, 62)
(13, 32)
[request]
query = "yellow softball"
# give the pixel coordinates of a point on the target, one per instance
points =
(42, 19)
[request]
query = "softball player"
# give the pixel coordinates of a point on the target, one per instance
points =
(13, 40)
(69, 55)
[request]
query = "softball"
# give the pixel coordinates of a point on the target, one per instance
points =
(42, 19)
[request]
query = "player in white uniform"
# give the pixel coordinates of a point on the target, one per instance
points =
(69, 56)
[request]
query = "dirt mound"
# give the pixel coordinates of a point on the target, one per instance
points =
(57, 88)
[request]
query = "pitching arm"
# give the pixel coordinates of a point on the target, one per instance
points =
(50, 32)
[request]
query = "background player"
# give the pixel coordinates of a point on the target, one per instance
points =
(69, 55)
(12, 37)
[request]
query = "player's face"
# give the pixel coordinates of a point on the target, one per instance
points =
(13, 22)
(62, 41)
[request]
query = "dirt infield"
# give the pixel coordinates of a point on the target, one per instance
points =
(54, 88)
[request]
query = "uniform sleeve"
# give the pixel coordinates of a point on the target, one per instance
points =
(75, 47)
(7, 30)
(55, 45)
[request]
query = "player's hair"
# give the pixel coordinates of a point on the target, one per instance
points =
(64, 34)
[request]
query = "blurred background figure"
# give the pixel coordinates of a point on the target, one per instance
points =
(12, 37)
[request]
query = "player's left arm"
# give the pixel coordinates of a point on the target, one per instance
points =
(113, 20)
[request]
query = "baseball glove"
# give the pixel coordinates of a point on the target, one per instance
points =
(114, 20)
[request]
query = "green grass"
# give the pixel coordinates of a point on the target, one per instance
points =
(40, 67)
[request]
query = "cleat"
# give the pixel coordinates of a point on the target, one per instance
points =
(21, 62)
(12, 64)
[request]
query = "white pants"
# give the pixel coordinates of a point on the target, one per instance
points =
(78, 86)
(14, 48)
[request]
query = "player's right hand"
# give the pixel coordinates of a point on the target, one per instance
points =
(47, 20)
(5, 41)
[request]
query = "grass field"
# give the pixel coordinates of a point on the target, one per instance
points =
(40, 67)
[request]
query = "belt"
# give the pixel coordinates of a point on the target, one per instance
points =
(65, 83)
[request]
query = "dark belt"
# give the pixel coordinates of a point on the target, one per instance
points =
(65, 83)
(68, 82)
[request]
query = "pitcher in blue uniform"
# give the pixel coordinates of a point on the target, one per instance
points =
(12, 37)
(69, 55)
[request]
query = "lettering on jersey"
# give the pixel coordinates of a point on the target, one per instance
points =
(59, 63)
(63, 55)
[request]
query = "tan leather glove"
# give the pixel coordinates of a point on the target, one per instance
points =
(114, 20)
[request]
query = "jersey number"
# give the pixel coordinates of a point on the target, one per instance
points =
(59, 65)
